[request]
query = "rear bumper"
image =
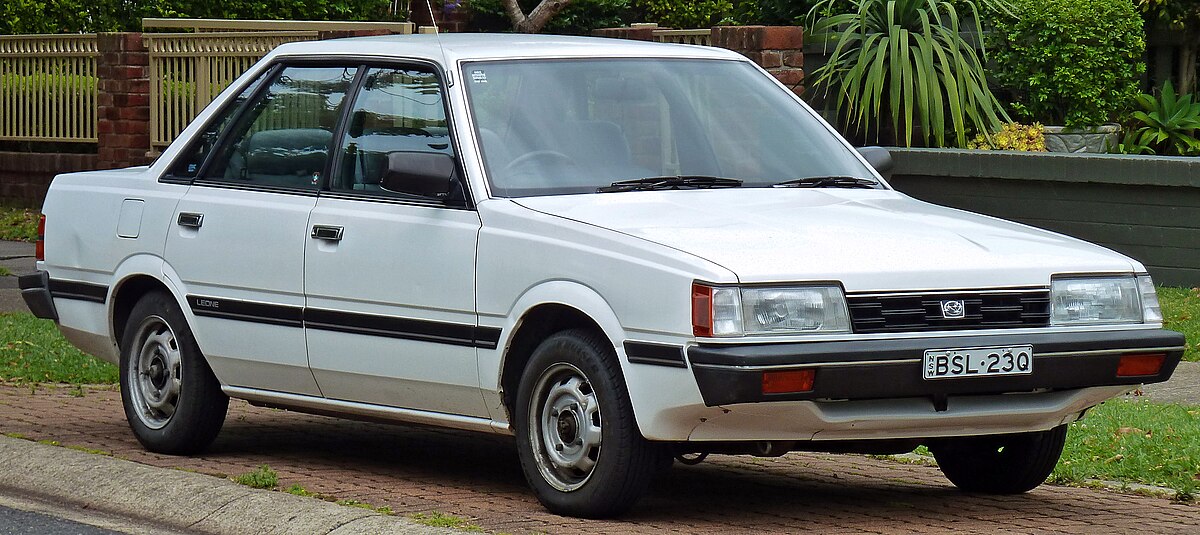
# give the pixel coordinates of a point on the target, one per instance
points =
(891, 368)
(35, 289)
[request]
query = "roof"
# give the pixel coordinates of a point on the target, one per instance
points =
(471, 46)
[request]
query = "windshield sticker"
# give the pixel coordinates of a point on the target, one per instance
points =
(478, 77)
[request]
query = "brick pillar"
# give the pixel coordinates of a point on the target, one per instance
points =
(123, 101)
(778, 49)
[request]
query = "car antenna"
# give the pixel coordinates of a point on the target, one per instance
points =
(437, 34)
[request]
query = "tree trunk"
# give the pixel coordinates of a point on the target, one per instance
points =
(1187, 61)
(537, 19)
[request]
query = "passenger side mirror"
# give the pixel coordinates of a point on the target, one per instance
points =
(427, 174)
(878, 157)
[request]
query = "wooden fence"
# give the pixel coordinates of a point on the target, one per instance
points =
(48, 88)
(187, 70)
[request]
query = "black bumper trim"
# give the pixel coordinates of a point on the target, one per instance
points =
(891, 368)
(655, 354)
(79, 291)
(35, 290)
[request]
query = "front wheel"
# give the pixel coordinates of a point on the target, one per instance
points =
(579, 445)
(1000, 464)
(172, 400)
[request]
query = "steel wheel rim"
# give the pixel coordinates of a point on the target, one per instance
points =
(155, 373)
(565, 429)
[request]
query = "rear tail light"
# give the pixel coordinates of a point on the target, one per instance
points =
(1139, 365)
(39, 248)
(788, 382)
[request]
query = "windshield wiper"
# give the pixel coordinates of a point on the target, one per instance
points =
(829, 182)
(670, 182)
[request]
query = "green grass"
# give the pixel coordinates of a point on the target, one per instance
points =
(262, 477)
(1181, 312)
(1135, 442)
(4, 272)
(33, 351)
(440, 520)
(18, 224)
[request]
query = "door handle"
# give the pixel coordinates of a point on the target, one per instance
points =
(190, 219)
(327, 232)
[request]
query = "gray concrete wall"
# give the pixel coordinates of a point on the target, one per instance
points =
(1145, 207)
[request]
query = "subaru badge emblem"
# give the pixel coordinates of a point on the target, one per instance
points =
(953, 309)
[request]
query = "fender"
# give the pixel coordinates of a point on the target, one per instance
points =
(649, 389)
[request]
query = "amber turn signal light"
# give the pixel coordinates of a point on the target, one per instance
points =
(788, 382)
(1138, 365)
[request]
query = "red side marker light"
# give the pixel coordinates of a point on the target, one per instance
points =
(1139, 365)
(788, 382)
(39, 247)
(702, 320)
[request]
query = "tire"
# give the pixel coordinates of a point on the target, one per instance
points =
(580, 448)
(172, 400)
(1001, 464)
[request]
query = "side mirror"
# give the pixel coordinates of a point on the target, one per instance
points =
(427, 174)
(878, 157)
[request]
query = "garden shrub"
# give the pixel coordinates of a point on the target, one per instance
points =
(684, 13)
(1068, 62)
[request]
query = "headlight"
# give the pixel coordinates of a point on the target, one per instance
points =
(1103, 300)
(734, 311)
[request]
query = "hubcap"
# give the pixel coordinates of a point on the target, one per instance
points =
(155, 374)
(564, 417)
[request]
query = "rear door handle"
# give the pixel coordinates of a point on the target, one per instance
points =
(327, 232)
(190, 219)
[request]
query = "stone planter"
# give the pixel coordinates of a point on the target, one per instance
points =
(1088, 139)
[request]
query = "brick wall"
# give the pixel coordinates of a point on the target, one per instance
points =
(778, 49)
(25, 176)
(123, 101)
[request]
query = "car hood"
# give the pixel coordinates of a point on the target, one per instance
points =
(866, 239)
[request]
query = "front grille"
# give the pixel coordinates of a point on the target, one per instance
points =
(990, 309)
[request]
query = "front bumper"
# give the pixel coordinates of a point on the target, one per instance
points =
(891, 368)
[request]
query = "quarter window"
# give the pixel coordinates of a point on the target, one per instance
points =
(397, 110)
(283, 139)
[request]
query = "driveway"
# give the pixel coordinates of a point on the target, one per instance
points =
(477, 477)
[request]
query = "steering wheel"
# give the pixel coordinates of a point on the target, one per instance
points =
(551, 157)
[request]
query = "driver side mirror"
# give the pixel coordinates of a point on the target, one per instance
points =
(878, 157)
(427, 174)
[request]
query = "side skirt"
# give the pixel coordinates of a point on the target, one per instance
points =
(364, 411)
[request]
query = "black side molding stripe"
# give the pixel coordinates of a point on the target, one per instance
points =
(392, 327)
(347, 322)
(235, 309)
(655, 354)
(80, 291)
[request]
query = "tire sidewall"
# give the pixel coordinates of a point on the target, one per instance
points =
(608, 476)
(200, 401)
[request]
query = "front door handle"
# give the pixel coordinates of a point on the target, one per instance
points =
(190, 219)
(327, 232)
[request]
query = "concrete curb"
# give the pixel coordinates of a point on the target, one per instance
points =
(180, 500)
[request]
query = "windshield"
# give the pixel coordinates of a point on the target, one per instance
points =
(551, 127)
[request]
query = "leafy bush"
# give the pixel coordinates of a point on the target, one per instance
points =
(904, 61)
(580, 17)
(1013, 136)
(1067, 62)
(683, 13)
(1167, 125)
(73, 16)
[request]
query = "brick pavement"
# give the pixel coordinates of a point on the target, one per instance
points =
(477, 477)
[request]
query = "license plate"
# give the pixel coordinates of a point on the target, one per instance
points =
(978, 362)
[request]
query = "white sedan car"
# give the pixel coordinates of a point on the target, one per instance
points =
(617, 252)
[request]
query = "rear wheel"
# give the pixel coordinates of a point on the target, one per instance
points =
(1001, 464)
(579, 445)
(172, 401)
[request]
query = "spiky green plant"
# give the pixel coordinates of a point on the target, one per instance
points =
(904, 62)
(1169, 123)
